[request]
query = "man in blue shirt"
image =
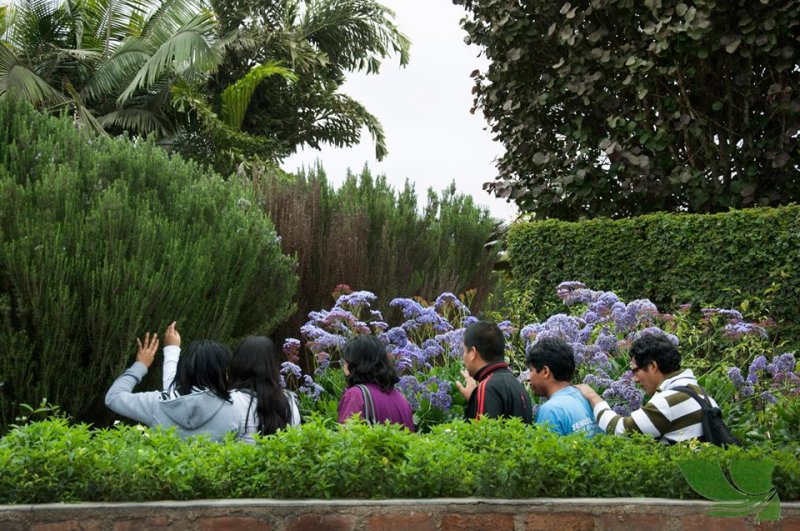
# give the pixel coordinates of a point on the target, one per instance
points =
(552, 365)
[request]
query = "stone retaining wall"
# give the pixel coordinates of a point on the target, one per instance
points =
(628, 514)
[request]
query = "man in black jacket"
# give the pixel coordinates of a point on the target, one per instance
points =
(491, 389)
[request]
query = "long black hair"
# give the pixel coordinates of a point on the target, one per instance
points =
(254, 368)
(367, 362)
(203, 365)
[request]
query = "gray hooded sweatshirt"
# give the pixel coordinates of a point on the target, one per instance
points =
(199, 413)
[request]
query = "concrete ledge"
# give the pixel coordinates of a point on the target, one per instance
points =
(383, 515)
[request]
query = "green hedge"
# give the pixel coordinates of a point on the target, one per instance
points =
(102, 239)
(719, 259)
(51, 461)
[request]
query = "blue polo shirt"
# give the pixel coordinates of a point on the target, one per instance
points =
(567, 411)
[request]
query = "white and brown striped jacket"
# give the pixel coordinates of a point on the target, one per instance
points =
(670, 416)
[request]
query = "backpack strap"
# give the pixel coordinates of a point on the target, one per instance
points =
(704, 401)
(369, 405)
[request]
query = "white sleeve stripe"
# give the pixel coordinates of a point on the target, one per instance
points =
(643, 421)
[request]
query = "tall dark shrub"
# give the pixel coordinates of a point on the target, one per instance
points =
(369, 236)
(103, 239)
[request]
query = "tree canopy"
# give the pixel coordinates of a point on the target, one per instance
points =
(622, 107)
(223, 83)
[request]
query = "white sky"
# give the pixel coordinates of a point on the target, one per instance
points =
(424, 108)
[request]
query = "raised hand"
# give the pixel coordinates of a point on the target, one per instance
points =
(171, 336)
(469, 385)
(146, 351)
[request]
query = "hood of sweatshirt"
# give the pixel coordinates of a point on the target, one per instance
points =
(194, 410)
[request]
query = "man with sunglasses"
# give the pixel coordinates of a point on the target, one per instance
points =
(671, 415)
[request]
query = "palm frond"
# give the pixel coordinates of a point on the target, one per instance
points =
(355, 34)
(141, 121)
(236, 97)
(85, 116)
(191, 49)
(118, 70)
(19, 81)
(172, 14)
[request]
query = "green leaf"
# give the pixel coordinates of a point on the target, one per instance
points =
(707, 479)
(752, 477)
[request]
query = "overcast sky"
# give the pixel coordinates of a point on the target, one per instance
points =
(424, 108)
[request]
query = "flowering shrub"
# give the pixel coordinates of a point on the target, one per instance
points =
(426, 347)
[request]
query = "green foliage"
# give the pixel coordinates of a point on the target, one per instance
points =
(321, 41)
(622, 107)
(369, 236)
(51, 461)
(746, 258)
(102, 239)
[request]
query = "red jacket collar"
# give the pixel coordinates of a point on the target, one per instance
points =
(486, 370)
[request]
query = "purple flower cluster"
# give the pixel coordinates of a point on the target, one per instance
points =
(447, 300)
(625, 393)
(291, 349)
(356, 300)
(735, 330)
(778, 375)
(433, 390)
(311, 388)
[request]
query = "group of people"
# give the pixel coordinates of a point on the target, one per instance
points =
(207, 390)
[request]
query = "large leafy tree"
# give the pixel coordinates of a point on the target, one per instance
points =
(223, 84)
(621, 107)
(321, 41)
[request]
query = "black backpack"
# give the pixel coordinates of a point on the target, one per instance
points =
(714, 429)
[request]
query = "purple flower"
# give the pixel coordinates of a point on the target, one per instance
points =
(604, 303)
(291, 349)
(409, 387)
(722, 312)
(586, 332)
(606, 341)
(447, 299)
(409, 307)
(591, 317)
(378, 326)
(356, 300)
(310, 388)
(759, 364)
(747, 389)
(397, 336)
(432, 349)
(452, 341)
(785, 363)
(735, 330)
(506, 327)
(736, 376)
(469, 320)
(570, 285)
(287, 368)
(769, 397)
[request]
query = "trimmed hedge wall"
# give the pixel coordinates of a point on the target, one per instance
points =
(717, 259)
(51, 461)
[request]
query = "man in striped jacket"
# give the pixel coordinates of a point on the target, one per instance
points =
(670, 415)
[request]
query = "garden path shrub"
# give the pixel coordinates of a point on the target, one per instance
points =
(50, 461)
(103, 239)
(718, 260)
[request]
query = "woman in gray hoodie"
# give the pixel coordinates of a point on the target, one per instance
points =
(196, 402)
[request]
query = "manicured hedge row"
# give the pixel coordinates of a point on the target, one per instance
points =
(51, 461)
(719, 259)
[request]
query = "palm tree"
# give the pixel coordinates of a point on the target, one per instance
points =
(112, 62)
(321, 41)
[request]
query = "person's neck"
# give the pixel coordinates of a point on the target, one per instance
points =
(556, 386)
